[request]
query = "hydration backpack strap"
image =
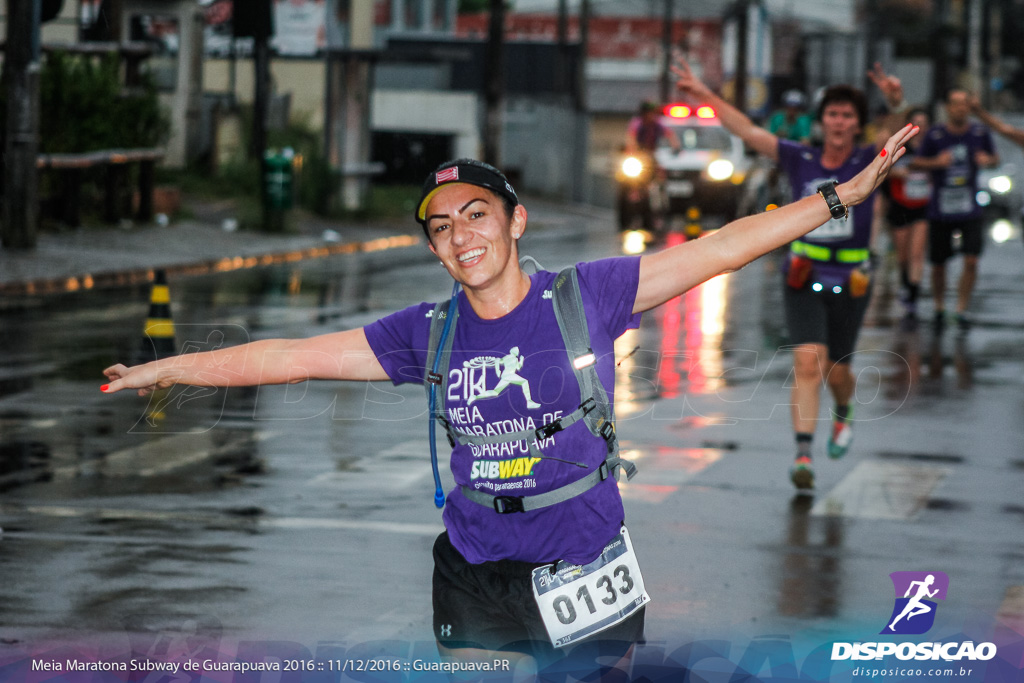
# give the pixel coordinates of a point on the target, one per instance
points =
(572, 322)
(440, 379)
(504, 505)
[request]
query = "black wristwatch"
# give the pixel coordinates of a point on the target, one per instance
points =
(827, 190)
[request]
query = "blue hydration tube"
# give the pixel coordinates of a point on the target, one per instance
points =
(439, 490)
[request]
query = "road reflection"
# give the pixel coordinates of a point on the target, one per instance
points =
(679, 350)
(810, 576)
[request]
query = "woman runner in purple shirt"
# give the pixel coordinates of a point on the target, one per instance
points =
(496, 576)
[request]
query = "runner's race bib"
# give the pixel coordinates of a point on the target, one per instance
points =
(835, 229)
(578, 601)
(954, 201)
(917, 187)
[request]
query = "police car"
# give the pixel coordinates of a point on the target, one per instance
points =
(710, 170)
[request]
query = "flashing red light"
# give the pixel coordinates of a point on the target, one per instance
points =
(684, 111)
(677, 111)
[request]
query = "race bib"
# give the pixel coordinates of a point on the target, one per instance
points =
(917, 187)
(835, 229)
(955, 200)
(578, 601)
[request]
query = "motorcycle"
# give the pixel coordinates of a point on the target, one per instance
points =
(637, 200)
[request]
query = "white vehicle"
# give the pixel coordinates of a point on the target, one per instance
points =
(711, 167)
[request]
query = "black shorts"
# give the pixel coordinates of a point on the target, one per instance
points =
(900, 217)
(825, 318)
(940, 239)
(491, 606)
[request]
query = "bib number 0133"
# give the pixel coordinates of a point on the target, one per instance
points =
(578, 601)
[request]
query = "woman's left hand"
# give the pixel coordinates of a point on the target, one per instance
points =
(860, 187)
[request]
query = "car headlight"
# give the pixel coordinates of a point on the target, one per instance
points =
(632, 167)
(720, 169)
(1000, 184)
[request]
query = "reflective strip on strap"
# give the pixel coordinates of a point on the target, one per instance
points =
(819, 253)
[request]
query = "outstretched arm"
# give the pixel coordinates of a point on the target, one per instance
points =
(735, 121)
(339, 355)
(998, 125)
(669, 273)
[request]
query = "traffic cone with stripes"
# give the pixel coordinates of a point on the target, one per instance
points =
(158, 341)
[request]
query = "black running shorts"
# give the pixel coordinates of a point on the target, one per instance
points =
(940, 239)
(900, 217)
(491, 606)
(825, 318)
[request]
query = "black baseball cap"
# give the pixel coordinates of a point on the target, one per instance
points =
(468, 171)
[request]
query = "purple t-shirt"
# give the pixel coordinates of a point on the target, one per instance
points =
(803, 165)
(955, 188)
(514, 373)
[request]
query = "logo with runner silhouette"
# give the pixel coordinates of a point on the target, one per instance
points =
(507, 368)
(916, 593)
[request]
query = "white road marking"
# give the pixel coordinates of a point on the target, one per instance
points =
(881, 490)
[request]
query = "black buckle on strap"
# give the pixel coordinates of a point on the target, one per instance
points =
(604, 471)
(608, 432)
(447, 429)
(547, 430)
(504, 505)
(588, 406)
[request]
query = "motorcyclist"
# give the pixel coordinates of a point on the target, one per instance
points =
(641, 197)
(645, 131)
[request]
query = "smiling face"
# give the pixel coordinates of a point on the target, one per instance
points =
(840, 124)
(472, 234)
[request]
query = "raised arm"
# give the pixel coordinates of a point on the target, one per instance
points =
(339, 355)
(735, 121)
(671, 272)
(1016, 135)
(892, 90)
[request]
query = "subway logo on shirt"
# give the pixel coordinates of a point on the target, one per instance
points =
(503, 469)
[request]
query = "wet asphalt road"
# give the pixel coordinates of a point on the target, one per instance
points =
(304, 513)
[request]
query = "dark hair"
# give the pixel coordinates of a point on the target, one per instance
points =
(649, 106)
(914, 111)
(845, 93)
(952, 89)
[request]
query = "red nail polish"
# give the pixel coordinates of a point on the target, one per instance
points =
(883, 153)
(104, 387)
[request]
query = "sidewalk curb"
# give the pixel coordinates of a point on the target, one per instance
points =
(146, 274)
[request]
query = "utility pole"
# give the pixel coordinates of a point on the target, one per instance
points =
(261, 95)
(254, 19)
(581, 143)
(742, 14)
(562, 75)
(940, 43)
(21, 179)
(581, 74)
(666, 49)
(494, 85)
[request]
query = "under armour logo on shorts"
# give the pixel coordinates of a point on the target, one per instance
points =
(446, 631)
